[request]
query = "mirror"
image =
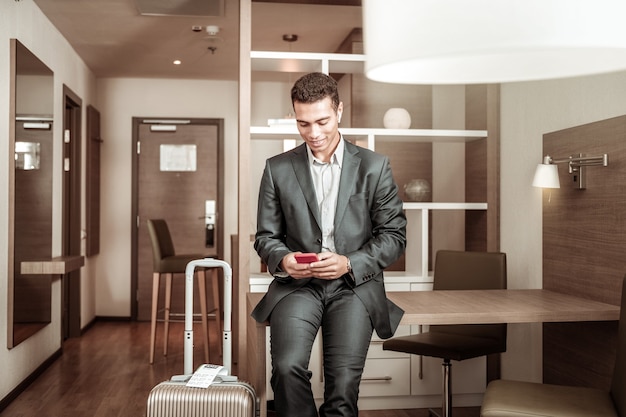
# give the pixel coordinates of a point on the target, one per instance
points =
(30, 192)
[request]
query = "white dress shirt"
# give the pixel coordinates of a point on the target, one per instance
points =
(326, 176)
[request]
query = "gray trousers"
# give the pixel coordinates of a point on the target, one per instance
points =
(346, 333)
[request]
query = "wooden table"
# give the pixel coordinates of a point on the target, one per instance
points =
(453, 307)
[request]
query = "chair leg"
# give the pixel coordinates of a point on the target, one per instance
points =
(203, 312)
(215, 288)
(166, 315)
(156, 277)
(446, 406)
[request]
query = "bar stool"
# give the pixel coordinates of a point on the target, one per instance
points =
(166, 262)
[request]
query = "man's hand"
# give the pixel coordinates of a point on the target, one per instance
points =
(330, 266)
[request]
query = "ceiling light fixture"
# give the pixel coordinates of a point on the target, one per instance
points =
(212, 30)
(212, 38)
(491, 41)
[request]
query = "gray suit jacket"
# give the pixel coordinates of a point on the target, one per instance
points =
(370, 226)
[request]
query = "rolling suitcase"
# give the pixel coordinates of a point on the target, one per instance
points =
(226, 396)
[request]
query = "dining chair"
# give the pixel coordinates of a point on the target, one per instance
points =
(508, 398)
(167, 263)
(459, 270)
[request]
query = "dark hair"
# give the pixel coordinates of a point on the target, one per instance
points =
(313, 87)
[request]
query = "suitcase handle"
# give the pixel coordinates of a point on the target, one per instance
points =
(228, 291)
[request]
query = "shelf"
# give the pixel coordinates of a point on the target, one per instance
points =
(59, 265)
(307, 62)
(395, 135)
(444, 206)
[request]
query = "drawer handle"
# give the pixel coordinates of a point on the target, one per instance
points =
(377, 378)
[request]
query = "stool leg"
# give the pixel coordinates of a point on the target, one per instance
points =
(166, 316)
(446, 408)
(215, 288)
(203, 311)
(156, 277)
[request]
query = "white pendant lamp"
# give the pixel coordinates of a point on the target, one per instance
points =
(491, 41)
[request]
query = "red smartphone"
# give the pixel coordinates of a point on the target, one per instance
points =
(306, 258)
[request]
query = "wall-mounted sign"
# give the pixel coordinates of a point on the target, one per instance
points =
(178, 158)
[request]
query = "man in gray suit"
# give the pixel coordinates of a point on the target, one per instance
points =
(340, 202)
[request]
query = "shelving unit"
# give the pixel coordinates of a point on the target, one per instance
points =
(418, 213)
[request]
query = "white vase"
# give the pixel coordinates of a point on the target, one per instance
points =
(397, 118)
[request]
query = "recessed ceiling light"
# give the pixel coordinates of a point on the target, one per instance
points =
(177, 62)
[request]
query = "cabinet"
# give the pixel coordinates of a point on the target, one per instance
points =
(391, 379)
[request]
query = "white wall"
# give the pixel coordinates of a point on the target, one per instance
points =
(529, 110)
(23, 20)
(119, 101)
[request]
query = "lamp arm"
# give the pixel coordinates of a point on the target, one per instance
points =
(581, 160)
(591, 160)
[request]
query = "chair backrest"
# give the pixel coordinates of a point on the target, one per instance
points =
(618, 384)
(162, 245)
(465, 270)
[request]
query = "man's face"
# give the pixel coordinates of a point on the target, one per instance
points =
(318, 124)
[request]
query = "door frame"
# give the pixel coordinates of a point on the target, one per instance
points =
(71, 224)
(134, 218)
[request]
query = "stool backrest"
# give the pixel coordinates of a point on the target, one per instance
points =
(162, 245)
(618, 385)
(465, 270)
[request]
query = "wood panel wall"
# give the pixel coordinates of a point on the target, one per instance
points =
(584, 242)
(476, 168)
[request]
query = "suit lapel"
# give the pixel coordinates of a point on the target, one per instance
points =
(349, 171)
(303, 175)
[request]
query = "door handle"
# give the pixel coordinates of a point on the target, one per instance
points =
(209, 223)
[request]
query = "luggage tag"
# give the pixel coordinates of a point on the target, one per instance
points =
(205, 375)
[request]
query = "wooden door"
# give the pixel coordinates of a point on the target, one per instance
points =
(178, 170)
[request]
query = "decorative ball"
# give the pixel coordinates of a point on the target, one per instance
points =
(417, 190)
(397, 118)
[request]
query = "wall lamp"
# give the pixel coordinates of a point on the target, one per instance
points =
(547, 175)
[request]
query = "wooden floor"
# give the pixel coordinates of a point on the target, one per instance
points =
(105, 373)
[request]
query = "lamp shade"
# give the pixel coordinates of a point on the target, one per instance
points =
(491, 41)
(546, 176)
